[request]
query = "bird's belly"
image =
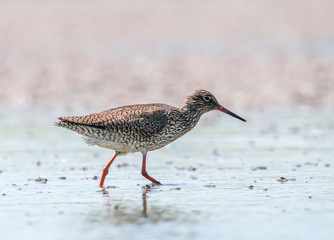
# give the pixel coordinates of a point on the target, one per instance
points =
(119, 146)
(126, 145)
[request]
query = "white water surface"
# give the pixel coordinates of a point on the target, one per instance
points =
(207, 178)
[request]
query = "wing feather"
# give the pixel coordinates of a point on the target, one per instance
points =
(144, 120)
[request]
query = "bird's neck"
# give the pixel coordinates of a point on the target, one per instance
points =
(190, 114)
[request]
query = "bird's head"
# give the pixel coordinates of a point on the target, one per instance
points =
(203, 101)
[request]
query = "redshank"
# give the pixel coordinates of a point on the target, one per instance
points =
(142, 127)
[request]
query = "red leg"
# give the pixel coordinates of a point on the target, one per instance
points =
(145, 174)
(106, 168)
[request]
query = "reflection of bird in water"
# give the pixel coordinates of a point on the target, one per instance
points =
(144, 204)
(142, 128)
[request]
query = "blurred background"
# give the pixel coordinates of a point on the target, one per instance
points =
(75, 57)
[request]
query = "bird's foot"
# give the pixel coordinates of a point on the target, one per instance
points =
(157, 183)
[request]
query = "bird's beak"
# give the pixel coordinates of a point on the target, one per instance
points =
(224, 110)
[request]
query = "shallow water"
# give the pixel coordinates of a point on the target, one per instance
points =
(222, 180)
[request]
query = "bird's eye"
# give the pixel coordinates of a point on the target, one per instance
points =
(207, 98)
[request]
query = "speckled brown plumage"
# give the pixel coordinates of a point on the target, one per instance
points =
(143, 127)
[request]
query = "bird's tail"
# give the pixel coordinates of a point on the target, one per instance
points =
(66, 124)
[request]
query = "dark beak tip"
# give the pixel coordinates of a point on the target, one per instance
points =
(240, 118)
(222, 109)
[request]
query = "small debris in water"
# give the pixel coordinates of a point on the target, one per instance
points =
(309, 197)
(259, 168)
(146, 187)
(169, 163)
(311, 164)
(4, 194)
(1, 171)
(209, 186)
(326, 165)
(282, 179)
(95, 177)
(177, 188)
(265, 189)
(117, 207)
(193, 178)
(111, 187)
(190, 168)
(298, 165)
(84, 168)
(122, 165)
(41, 180)
(62, 178)
(38, 163)
(215, 152)
(251, 187)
